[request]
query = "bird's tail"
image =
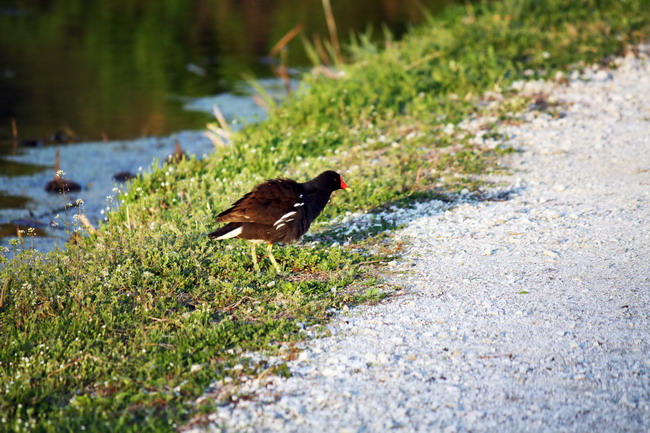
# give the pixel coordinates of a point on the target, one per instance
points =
(228, 231)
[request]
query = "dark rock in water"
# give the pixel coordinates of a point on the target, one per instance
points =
(64, 135)
(31, 143)
(58, 184)
(123, 176)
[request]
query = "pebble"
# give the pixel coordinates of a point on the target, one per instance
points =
(552, 214)
(559, 188)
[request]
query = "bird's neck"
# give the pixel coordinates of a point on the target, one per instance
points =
(318, 200)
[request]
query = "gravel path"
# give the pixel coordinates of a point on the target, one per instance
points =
(531, 314)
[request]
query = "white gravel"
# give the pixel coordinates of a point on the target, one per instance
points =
(531, 314)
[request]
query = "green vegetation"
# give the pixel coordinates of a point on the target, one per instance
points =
(123, 331)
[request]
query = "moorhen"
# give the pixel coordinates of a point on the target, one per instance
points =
(277, 210)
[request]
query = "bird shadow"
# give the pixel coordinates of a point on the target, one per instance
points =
(381, 220)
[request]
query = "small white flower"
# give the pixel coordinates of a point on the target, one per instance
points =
(60, 173)
(79, 202)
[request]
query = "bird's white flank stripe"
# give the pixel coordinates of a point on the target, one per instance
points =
(279, 226)
(230, 234)
(298, 204)
(284, 217)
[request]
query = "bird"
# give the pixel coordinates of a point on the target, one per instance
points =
(59, 184)
(277, 210)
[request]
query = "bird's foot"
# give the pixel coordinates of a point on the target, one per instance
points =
(256, 266)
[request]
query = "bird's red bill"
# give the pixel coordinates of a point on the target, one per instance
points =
(344, 185)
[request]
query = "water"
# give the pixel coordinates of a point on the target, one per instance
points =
(111, 84)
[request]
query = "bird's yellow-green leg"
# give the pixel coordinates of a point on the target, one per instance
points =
(275, 264)
(254, 256)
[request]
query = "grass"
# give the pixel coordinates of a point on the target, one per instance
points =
(124, 330)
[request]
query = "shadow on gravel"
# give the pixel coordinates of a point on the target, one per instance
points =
(393, 215)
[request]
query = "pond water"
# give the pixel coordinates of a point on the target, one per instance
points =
(113, 84)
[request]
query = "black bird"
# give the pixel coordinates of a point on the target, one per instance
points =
(278, 210)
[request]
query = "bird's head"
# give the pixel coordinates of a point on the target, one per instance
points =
(330, 180)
